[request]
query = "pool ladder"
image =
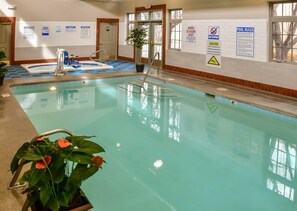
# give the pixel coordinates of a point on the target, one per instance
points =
(13, 185)
(95, 52)
(149, 88)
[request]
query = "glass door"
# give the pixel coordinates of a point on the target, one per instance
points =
(152, 22)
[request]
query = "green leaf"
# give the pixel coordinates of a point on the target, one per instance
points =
(80, 157)
(33, 176)
(58, 172)
(32, 154)
(84, 171)
(78, 175)
(53, 204)
(87, 147)
(63, 198)
(45, 193)
(33, 198)
(15, 161)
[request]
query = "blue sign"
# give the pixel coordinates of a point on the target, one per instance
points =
(245, 29)
(213, 32)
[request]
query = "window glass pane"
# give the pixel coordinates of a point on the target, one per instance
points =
(287, 9)
(294, 13)
(143, 16)
(131, 17)
(175, 29)
(157, 15)
(277, 28)
(277, 9)
(294, 57)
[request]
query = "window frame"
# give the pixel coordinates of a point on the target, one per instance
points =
(174, 21)
(130, 22)
(280, 19)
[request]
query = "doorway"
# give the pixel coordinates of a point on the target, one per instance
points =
(107, 38)
(153, 19)
(7, 40)
(154, 32)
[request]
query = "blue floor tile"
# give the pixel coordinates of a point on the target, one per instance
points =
(20, 72)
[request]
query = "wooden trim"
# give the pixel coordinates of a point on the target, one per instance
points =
(237, 81)
(157, 7)
(12, 20)
(106, 20)
(126, 59)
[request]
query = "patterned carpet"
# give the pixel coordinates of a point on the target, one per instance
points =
(19, 72)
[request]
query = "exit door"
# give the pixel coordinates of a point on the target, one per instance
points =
(154, 37)
(5, 38)
(108, 40)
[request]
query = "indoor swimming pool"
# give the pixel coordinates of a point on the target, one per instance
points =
(169, 147)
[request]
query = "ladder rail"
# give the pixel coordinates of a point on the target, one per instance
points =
(12, 185)
(150, 67)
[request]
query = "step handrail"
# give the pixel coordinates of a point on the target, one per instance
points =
(150, 66)
(12, 185)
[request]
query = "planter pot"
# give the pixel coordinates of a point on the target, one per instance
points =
(139, 67)
(1, 79)
(80, 203)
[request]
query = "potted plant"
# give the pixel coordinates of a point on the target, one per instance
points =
(137, 37)
(57, 169)
(2, 69)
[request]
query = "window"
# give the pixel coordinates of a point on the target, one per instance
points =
(175, 24)
(283, 20)
(130, 23)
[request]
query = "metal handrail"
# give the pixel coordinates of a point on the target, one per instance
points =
(95, 52)
(12, 185)
(150, 66)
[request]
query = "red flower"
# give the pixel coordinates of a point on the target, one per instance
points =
(41, 164)
(98, 161)
(40, 139)
(63, 143)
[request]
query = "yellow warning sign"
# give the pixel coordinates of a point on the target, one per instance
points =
(213, 61)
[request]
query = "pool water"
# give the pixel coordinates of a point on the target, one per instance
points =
(174, 149)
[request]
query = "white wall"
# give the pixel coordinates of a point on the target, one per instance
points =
(54, 13)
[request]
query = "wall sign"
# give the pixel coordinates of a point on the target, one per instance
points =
(245, 41)
(45, 31)
(213, 32)
(191, 34)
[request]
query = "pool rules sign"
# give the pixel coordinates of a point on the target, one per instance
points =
(213, 54)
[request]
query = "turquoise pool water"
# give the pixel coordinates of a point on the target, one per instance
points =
(173, 148)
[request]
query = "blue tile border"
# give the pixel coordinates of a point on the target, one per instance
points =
(20, 72)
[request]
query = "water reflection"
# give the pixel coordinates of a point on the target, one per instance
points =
(153, 109)
(282, 167)
(49, 101)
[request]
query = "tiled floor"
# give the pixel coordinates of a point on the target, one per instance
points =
(16, 128)
(118, 65)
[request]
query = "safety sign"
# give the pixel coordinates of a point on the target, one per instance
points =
(213, 54)
(213, 32)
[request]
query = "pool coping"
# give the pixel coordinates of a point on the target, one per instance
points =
(17, 128)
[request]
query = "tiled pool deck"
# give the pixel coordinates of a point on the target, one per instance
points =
(16, 128)
(19, 72)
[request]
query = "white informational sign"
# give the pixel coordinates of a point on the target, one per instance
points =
(85, 31)
(191, 34)
(213, 32)
(45, 31)
(213, 54)
(29, 32)
(58, 29)
(245, 41)
(70, 29)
